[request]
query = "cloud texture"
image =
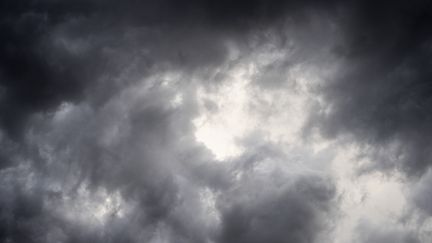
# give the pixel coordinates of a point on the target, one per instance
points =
(160, 121)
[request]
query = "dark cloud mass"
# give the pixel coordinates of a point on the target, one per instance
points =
(98, 101)
(299, 208)
(382, 95)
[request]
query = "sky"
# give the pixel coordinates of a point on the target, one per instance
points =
(255, 121)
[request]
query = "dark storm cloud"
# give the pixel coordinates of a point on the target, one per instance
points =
(75, 125)
(51, 51)
(381, 94)
(84, 111)
(30, 79)
(74, 157)
(379, 99)
(54, 51)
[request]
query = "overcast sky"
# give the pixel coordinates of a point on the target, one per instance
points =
(254, 121)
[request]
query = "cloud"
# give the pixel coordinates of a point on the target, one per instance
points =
(278, 210)
(60, 51)
(56, 51)
(419, 195)
(132, 171)
(368, 232)
(380, 94)
(99, 102)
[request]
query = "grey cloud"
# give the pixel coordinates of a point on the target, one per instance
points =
(368, 232)
(85, 111)
(142, 164)
(380, 96)
(61, 51)
(378, 99)
(272, 201)
(420, 195)
(141, 148)
(291, 212)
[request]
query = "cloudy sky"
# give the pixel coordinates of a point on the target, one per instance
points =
(255, 121)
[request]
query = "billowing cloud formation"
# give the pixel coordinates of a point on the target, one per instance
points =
(158, 121)
(132, 172)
